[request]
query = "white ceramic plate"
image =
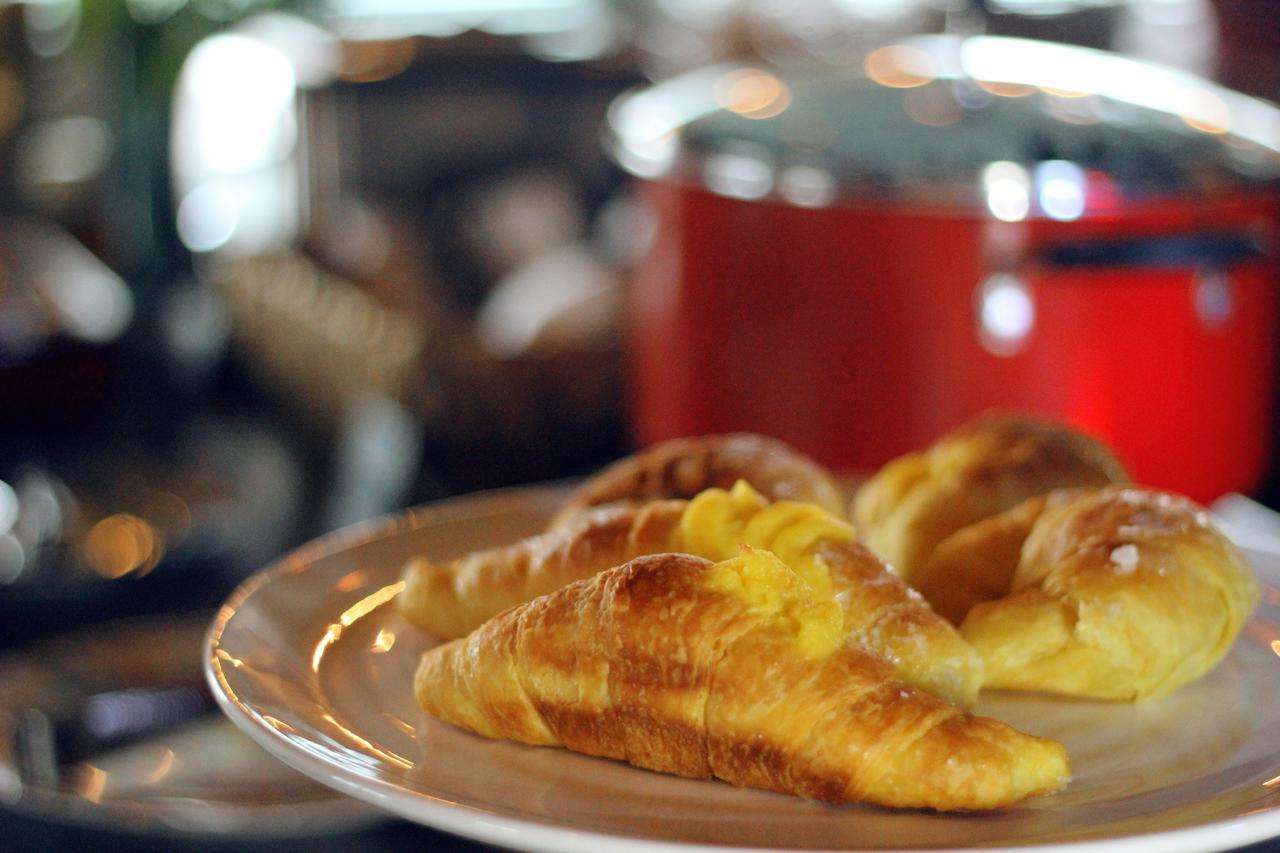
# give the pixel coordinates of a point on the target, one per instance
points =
(312, 660)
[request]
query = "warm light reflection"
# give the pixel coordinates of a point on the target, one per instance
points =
(122, 543)
(1057, 92)
(163, 768)
(351, 581)
(383, 642)
(1006, 90)
(350, 616)
(1122, 79)
(331, 635)
(372, 61)
(900, 66)
(1272, 782)
(279, 725)
(369, 603)
(1205, 110)
(368, 745)
(1275, 646)
(400, 725)
(752, 93)
(227, 657)
(91, 783)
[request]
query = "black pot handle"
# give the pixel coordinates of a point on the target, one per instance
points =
(1207, 248)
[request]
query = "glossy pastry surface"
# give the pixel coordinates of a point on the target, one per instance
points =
(979, 470)
(453, 598)
(1116, 593)
(879, 610)
(737, 670)
(683, 467)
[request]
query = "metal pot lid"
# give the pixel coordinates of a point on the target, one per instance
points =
(1022, 128)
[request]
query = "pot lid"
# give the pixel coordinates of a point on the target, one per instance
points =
(1022, 128)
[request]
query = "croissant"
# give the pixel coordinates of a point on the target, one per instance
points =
(1113, 593)
(977, 563)
(682, 467)
(983, 468)
(879, 610)
(453, 599)
(736, 670)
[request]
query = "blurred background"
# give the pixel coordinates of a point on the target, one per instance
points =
(268, 268)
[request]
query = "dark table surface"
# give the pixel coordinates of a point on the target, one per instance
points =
(23, 833)
(20, 833)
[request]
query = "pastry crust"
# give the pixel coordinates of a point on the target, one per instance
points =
(879, 610)
(894, 621)
(683, 467)
(452, 599)
(1115, 593)
(655, 663)
(977, 563)
(983, 468)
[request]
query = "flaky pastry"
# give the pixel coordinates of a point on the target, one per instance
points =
(737, 670)
(1115, 593)
(879, 610)
(682, 467)
(983, 468)
(454, 598)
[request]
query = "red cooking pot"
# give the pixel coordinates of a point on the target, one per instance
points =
(857, 261)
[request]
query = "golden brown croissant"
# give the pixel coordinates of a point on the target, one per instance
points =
(983, 468)
(737, 670)
(1113, 593)
(977, 563)
(452, 599)
(880, 611)
(682, 467)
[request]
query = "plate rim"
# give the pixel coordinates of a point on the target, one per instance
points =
(519, 833)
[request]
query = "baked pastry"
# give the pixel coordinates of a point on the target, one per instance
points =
(983, 468)
(736, 670)
(879, 610)
(1113, 593)
(452, 599)
(682, 467)
(977, 563)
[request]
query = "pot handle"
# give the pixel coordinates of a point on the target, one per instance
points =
(1207, 248)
